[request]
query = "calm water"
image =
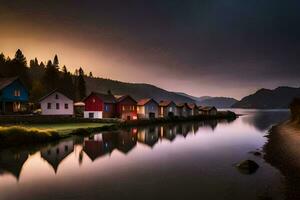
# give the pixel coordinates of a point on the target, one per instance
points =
(182, 161)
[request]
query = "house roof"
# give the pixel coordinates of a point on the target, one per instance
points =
(107, 98)
(206, 108)
(122, 97)
(4, 82)
(192, 105)
(79, 103)
(143, 102)
(183, 105)
(52, 92)
(165, 103)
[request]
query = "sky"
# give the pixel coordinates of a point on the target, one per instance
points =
(208, 47)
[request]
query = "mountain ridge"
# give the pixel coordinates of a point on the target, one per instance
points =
(278, 98)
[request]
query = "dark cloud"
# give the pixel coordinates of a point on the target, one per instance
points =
(230, 41)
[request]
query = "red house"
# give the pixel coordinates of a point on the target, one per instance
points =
(99, 106)
(126, 107)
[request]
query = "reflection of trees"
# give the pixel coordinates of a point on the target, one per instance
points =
(12, 162)
(263, 120)
(56, 153)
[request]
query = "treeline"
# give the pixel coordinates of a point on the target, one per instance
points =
(42, 78)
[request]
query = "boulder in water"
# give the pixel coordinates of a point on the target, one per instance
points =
(247, 167)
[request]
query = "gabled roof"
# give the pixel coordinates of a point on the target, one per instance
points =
(143, 102)
(192, 106)
(207, 108)
(165, 103)
(52, 92)
(106, 98)
(4, 82)
(183, 105)
(122, 97)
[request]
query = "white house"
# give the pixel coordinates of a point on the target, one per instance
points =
(55, 103)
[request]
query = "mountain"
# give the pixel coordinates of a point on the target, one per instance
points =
(278, 98)
(136, 90)
(219, 102)
(196, 99)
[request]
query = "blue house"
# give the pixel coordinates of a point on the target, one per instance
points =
(13, 95)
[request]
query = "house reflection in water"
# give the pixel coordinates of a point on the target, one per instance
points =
(126, 140)
(148, 136)
(99, 145)
(168, 132)
(12, 162)
(55, 154)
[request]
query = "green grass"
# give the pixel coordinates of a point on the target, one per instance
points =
(65, 129)
(20, 135)
(38, 133)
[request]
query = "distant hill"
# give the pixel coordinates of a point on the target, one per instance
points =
(278, 98)
(219, 102)
(136, 90)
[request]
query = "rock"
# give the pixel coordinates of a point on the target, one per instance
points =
(247, 167)
(256, 153)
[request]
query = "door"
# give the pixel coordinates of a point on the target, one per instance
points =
(151, 115)
(91, 115)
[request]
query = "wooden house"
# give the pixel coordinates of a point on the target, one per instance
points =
(56, 103)
(183, 110)
(126, 107)
(167, 109)
(194, 108)
(208, 110)
(98, 106)
(13, 96)
(147, 109)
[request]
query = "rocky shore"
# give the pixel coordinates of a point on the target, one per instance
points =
(283, 151)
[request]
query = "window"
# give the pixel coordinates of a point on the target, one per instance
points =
(106, 108)
(17, 93)
(123, 108)
(56, 96)
(94, 100)
(57, 106)
(170, 109)
(49, 106)
(66, 106)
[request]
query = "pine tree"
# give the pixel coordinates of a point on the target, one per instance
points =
(67, 83)
(19, 68)
(51, 77)
(81, 87)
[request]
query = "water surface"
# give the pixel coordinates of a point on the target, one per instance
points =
(170, 161)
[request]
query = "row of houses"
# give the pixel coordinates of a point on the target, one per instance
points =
(14, 96)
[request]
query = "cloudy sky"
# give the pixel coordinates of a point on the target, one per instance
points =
(207, 47)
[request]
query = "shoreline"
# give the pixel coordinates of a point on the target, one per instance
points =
(18, 134)
(283, 151)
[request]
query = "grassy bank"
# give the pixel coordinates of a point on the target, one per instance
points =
(41, 133)
(16, 135)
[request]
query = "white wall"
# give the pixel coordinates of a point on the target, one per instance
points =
(97, 114)
(62, 100)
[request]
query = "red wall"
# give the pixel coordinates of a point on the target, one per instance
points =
(93, 103)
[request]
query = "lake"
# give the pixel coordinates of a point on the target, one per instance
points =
(168, 161)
